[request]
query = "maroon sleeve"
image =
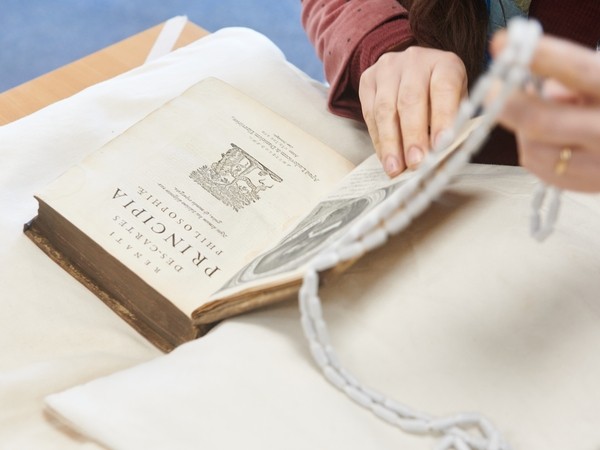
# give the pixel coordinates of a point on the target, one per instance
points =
(349, 36)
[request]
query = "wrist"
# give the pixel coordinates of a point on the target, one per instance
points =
(394, 35)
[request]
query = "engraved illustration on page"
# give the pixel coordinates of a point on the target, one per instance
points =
(237, 179)
(326, 221)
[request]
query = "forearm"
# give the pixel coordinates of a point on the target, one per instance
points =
(349, 37)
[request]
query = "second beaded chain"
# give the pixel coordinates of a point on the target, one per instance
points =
(394, 215)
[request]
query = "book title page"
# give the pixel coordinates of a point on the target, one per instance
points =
(191, 194)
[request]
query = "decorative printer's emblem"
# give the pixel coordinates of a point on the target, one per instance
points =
(236, 179)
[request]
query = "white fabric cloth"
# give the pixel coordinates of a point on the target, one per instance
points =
(462, 312)
(53, 332)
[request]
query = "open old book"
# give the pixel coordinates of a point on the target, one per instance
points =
(207, 208)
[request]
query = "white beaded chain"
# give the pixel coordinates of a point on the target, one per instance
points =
(393, 215)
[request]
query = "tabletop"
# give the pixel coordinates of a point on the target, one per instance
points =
(67, 80)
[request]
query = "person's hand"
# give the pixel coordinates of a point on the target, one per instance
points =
(407, 99)
(559, 135)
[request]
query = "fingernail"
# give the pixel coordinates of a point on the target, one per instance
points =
(414, 156)
(439, 139)
(391, 165)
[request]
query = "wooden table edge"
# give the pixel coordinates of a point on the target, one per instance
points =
(71, 78)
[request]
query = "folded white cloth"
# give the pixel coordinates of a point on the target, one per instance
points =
(461, 312)
(53, 332)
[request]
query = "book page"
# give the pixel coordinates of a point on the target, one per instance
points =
(363, 189)
(194, 192)
(358, 193)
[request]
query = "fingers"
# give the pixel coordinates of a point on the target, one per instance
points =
(554, 90)
(408, 97)
(448, 87)
(389, 139)
(573, 65)
(566, 167)
(378, 101)
(552, 122)
(413, 108)
(546, 128)
(558, 134)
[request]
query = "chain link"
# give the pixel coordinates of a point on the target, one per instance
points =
(466, 431)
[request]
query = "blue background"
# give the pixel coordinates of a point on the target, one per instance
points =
(37, 36)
